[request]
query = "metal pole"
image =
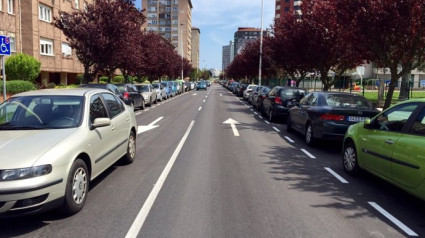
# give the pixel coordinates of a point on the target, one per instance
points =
(261, 45)
(181, 41)
(4, 78)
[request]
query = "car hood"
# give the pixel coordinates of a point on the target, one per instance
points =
(20, 149)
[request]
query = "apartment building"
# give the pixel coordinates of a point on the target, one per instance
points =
(28, 24)
(172, 19)
(196, 33)
(245, 35)
(284, 7)
(227, 55)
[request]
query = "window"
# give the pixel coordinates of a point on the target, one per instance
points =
(395, 118)
(1, 5)
(46, 46)
(10, 5)
(114, 105)
(66, 49)
(97, 109)
(12, 44)
(45, 13)
(418, 126)
(76, 4)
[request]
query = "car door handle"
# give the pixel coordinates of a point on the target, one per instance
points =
(389, 142)
(128, 119)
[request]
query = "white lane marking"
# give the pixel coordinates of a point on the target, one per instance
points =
(204, 101)
(138, 113)
(276, 129)
(393, 219)
(194, 94)
(151, 126)
(200, 108)
(144, 212)
(266, 122)
(146, 110)
(233, 124)
(341, 179)
(255, 113)
(289, 139)
(260, 117)
(251, 109)
(153, 107)
(206, 96)
(221, 95)
(308, 154)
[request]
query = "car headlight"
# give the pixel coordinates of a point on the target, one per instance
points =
(25, 173)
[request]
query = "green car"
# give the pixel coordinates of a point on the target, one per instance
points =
(391, 146)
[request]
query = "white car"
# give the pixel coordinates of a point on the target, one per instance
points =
(55, 141)
(248, 91)
(149, 93)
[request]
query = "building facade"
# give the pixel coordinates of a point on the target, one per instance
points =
(196, 33)
(228, 55)
(172, 19)
(245, 35)
(284, 7)
(28, 24)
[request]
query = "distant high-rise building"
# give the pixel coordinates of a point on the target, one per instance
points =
(227, 55)
(172, 19)
(283, 7)
(245, 35)
(195, 47)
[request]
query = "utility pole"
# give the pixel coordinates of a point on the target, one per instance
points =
(261, 45)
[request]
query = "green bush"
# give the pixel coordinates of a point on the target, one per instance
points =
(103, 79)
(22, 67)
(118, 79)
(17, 86)
(80, 78)
(51, 85)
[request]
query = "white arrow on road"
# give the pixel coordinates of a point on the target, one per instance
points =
(151, 126)
(233, 124)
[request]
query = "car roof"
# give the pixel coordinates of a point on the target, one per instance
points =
(62, 92)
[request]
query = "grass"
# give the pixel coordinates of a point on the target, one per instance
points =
(373, 96)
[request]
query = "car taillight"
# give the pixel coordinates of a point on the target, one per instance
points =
(278, 100)
(332, 117)
(126, 95)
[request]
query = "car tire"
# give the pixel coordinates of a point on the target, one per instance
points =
(271, 117)
(349, 159)
(289, 125)
(77, 187)
(150, 102)
(131, 149)
(308, 135)
(143, 105)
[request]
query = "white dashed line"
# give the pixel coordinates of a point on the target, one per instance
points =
(308, 154)
(146, 110)
(267, 122)
(341, 179)
(289, 139)
(276, 129)
(251, 109)
(204, 101)
(260, 117)
(200, 108)
(255, 113)
(393, 219)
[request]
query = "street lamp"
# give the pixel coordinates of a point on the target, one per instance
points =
(261, 45)
(181, 45)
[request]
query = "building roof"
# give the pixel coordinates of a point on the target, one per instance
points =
(196, 29)
(248, 29)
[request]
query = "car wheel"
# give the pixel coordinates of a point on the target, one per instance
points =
(150, 102)
(349, 159)
(143, 105)
(289, 125)
(77, 186)
(309, 135)
(131, 150)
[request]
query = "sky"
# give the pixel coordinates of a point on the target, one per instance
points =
(218, 21)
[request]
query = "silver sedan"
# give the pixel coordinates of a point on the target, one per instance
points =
(54, 142)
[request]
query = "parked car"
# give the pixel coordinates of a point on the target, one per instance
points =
(242, 87)
(327, 115)
(161, 91)
(168, 88)
(201, 85)
(131, 95)
(390, 146)
(253, 93)
(248, 91)
(278, 101)
(148, 92)
(70, 137)
(259, 97)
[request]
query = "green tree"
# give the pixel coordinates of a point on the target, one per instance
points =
(22, 67)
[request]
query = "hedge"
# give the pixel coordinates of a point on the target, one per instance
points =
(17, 86)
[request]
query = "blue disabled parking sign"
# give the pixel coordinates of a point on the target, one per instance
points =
(4, 45)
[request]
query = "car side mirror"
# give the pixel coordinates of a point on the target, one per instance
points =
(367, 124)
(101, 122)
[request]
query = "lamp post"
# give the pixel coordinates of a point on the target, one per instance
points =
(181, 45)
(261, 45)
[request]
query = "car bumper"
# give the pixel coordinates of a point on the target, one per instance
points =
(330, 130)
(24, 197)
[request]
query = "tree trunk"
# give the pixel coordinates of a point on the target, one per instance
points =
(404, 87)
(324, 79)
(86, 76)
(390, 93)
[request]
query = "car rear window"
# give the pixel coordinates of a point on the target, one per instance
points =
(292, 93)
(347, 101)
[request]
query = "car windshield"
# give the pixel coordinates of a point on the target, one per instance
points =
(41, 112)
(350, 101)
(292, 94)
(143, 88)
(155, 85)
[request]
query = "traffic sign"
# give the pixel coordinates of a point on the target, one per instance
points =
(4, 45)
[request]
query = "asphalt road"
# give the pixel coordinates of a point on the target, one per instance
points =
(194, 178)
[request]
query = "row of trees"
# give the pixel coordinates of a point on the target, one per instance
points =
(107, 36)
(338, 35)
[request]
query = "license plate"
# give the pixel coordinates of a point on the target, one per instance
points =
(357, 119)
(289, 103)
